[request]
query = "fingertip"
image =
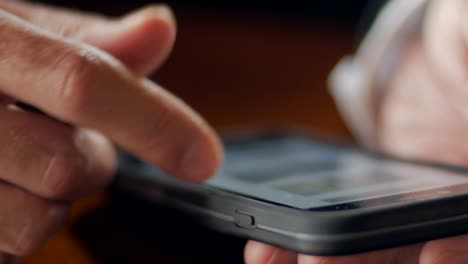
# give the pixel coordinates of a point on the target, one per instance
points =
(305, 259)
(203, 158)
(142, 40)
(153, 20)
(258, 253)
(158, 12)
(442, 250)
(452, 257)
(151, 36)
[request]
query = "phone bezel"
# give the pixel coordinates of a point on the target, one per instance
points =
(310, 232)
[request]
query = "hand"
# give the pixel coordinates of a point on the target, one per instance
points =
(86, 76)
(424, 115)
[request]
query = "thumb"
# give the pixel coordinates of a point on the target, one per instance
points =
(449, 250)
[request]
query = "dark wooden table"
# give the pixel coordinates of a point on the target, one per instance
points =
(237, 72)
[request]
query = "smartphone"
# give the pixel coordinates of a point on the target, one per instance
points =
(312, 196)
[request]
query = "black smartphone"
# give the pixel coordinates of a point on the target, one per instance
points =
(313, 197)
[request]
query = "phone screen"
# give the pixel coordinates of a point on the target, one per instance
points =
(306, 174)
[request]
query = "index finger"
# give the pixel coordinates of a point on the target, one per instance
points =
(80, 85)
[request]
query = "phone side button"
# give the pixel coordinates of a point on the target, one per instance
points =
(244, 220)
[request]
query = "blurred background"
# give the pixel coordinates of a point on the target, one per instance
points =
(244, 63)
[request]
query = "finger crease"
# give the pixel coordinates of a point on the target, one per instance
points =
(49, 169)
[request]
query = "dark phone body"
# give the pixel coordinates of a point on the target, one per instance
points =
(339, 229)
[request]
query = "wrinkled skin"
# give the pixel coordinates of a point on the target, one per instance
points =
(424, 115)
(86, 75)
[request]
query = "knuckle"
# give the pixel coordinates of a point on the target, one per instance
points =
(34, 233)
(63, 173)
(79, 69)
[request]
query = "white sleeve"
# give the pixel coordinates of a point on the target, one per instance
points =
(358, 80)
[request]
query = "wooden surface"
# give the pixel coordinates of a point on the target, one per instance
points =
(237, 72)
